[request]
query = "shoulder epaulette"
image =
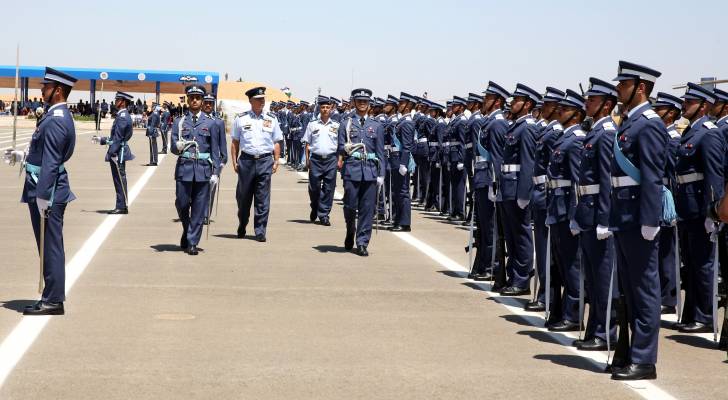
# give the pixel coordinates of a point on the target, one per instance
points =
(579, 133)
(609, 126)
(650, 114)
(673, 133)
(710, 125)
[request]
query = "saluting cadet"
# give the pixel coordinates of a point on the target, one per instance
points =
(152, 133)
(549, 129)
(516, 185)
(458, 131)
(255, 140)
(164, 126)
(47, 189)
(361, 161)
(591, 215)
(321, 139)
(482, 129)
(403, 139)
(635, 216)
(562, 173)
(699, 175)
(668, 107)
(208, 107)
(119, 152)
(195, 137)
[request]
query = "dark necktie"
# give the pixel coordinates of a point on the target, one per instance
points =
(194, 119)
(361, 120)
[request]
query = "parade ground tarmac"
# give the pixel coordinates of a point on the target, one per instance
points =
(297, 317)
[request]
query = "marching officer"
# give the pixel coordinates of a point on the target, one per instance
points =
(516, 185)
(668, 107)
(47, 189)
(699, 175)
(489, 122)
(636, 210)
(255, 144)
(152, 133)
(361, 162)
(591, 215)
(549, 129)
(195, 137)
(119, 152)
(208, 107)
(403, 139)
(562, 173)
(321, 139)
(164, 126)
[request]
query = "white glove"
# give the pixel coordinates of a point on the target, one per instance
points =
(437, 165)
(709, 225)
(402, 170)
(95, 139)
(460, 166)
(14, 156)
(380, 180)
(649, 232)
(114, 158)
(214, 180)
(491, 194)
(42, 205)
(574, 228)
(180, 145)
(522, 203)
(603, 232)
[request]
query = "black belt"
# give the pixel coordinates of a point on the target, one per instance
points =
(246, 156)
(323, 158)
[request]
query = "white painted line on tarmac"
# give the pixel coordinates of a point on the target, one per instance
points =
(17, 343)
(644, 388)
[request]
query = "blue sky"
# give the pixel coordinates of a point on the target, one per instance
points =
(444, 48)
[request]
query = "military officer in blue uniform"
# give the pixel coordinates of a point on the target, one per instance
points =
(720, 114)
(255, 138)
(321, 140)
(391, 107)
(434, 126)
(164, 126)
(458, 131)
(118, 152)
(195, 140)
(591, 215)
(474, 105)
(562, 173)
(669, 107)
(361, 162)
(335, 114)
(700, 180)
(489, 122)
(153, 124)
(403, 142)
(548, 130)
(516, 185)
(208, 107)
(47, 188)
(421, 152)
(635, 216)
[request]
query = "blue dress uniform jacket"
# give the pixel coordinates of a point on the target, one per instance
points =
(405, 134)
(121, 133)
(221, 140)
(545, 139)
(643, 141)
(372, 135)
(519, 148)
(595, 175)
(206, 133)
(153, 124)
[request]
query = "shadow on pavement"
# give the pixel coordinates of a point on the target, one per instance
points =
(515, 319)
(695, 341)
(300, 221)
(17, 305)
(226, 235)
(329, 248)
(544, 337)
(568, 360)
(166, 247)
(454, 274)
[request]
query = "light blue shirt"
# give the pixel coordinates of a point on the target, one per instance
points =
(322, 137)
(257, 134)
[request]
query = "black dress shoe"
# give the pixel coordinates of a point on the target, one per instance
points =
(34, 305)
(312, 216)
(696, 327)
(380, 217)
(515, 291)
(152, 164)
(241, 232)
(362, 251)
(564, 326)
(593, 344)
(349, 240)
(633, 372)
(183, 243)
(497, 287)
(535, 306)
(401, 228)
(325, 221)
(668, 310)
(119, 211)
(260, 238)
(45, 308)
(193, 251)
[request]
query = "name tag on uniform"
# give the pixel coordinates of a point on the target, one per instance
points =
(246, 127)
(332, 129)
(315, 132)
(267, 123)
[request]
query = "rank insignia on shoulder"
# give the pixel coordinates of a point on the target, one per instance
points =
(499, 116)
(478, 116)
(579, 133)
(463, 117)
(608, 126)
(530, 121)
(650, 114)
(57, 113)
(558, 127)
(710, 125)
(673, 134)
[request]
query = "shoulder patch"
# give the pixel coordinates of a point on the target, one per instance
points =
(710, 125)
(499, 116)
(543, 124)
(650, 114)
(579, 133)
(530, 121)
(673, 133)
(478, 116)
(270, 114)
(57, 113)
(463, 117)
(558, 127)
(608, 126)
